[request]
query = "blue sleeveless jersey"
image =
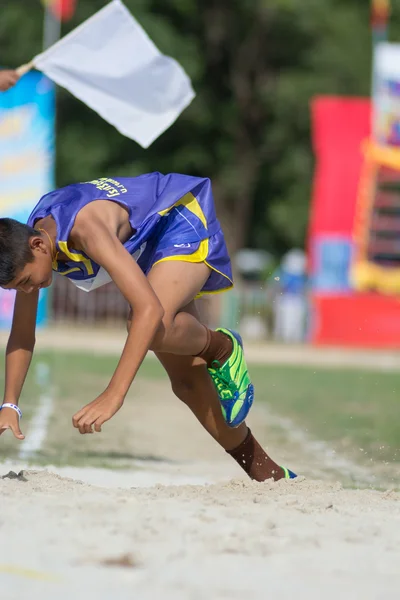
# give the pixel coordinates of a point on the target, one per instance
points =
(173, 218)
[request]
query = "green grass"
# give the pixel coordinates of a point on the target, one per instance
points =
(351, 409)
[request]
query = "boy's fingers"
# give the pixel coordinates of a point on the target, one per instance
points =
(98, 424)
(17, 432)
(88, 428)
(85, 423)
(14, 426)
(15, 429)
(76, 418)
(79, 418)
(85, 428)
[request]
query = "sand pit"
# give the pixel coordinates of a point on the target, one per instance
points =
(302, 539)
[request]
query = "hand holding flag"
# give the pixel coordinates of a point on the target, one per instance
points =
(8, 78)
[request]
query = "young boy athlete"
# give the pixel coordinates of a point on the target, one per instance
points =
(157, 237)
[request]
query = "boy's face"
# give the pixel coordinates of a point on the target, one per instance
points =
(36, 274)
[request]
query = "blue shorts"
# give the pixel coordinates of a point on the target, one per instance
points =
(174, 239)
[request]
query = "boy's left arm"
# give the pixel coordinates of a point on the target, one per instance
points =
(103, 246)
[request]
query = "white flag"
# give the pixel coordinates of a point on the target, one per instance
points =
(110, 63)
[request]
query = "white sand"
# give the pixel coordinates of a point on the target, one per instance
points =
(304, 540)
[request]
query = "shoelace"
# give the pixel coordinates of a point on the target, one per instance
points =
(222, 383)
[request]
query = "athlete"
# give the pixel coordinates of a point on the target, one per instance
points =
(158, 238)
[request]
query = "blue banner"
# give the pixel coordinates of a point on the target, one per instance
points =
(27, 116)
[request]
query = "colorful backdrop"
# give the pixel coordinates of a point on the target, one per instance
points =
(340, 314)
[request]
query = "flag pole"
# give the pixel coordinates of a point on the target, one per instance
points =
(51, 28)
(51, 35)
(23, 69)
(380, 12)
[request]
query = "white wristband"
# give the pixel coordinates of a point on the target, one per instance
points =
(14, 407)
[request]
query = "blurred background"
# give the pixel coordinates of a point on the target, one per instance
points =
(280, 124)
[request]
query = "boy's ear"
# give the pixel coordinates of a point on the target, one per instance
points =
(37, 243)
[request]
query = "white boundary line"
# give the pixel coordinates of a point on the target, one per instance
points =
(328, 457)
(37, 430)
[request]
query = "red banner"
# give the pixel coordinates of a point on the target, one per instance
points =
(339, 127)
(355, 320)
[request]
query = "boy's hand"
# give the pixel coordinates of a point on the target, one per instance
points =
(9, 419)
(8, 78)
(97, 412)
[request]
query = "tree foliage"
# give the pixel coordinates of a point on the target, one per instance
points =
(255, 65)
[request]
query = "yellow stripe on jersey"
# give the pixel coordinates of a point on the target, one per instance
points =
(68, 271)
(76, 257)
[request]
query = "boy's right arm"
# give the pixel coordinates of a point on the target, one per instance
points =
(18, 357)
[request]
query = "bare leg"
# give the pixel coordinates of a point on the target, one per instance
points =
(181, 336)
(192, 384)
(179, 339)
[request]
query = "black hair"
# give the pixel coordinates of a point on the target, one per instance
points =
(15, 251)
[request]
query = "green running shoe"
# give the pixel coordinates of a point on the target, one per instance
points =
(232, 382)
